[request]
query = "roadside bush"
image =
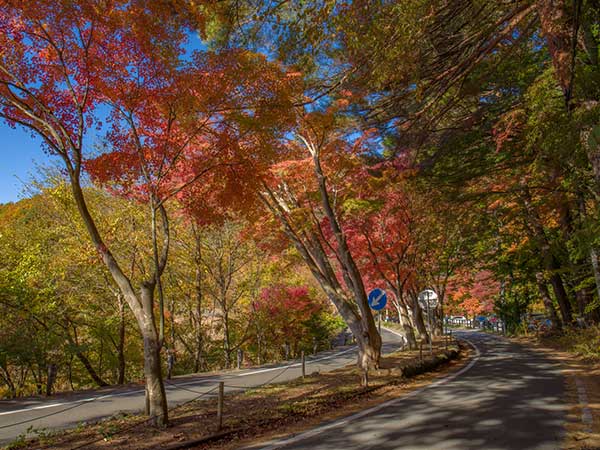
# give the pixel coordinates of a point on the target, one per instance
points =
(583, 342)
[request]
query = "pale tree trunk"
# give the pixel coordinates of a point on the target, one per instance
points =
(310, 248)
(397, 287)
(592, 251)
(121, 342)
(142, 307)
(418, 320)
(155, 207)
(369, 351)
(66, 141)
(370, 340)
(156, 399)
(309, 244)
(405, 322)
(594, 261)
(198, 360)
(226, 340)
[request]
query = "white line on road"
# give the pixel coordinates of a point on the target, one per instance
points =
(173, 386)
(389, 330)
(277, 444)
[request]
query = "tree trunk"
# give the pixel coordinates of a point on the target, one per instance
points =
(6, 378)
(83, 358)
(70, 372)
(156, 399)
(562, 297)
(52, 372)
(405, 323)
(310, 248)
(121, 343)
(594, 261)
(419, 322)
(371, 340)
(368, 340)
(226, 340)
(369, 349)
(439, 318)
(38, 377)
(142, 307)
(549, 261)
(198, 364)
(550, 310)
(90, 369)
(258, 347)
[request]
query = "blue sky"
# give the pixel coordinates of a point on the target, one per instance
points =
(19, 154)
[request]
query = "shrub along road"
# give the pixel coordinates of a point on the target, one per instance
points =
(508, 397)
(16, 416)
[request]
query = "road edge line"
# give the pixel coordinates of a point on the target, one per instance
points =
(281, 443)
(186, 383)
(174, 386)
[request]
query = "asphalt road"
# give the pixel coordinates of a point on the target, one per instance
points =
(508, 397)
(17, 416)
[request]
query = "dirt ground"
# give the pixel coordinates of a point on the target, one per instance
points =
(262, 414)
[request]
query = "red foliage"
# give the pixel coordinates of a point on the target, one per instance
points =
(472, 294)
(287, 309)
(165, 119)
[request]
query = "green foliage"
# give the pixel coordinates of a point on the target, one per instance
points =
(324, 326)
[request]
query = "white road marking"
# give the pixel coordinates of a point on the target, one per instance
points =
(277, 444)
(174, 386)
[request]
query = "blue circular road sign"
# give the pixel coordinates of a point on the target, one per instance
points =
(377, 299)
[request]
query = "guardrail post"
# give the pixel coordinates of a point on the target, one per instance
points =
(365, 377)
(220, 405)
(303, 366)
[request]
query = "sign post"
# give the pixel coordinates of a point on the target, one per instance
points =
(428, 300)
(377, 300)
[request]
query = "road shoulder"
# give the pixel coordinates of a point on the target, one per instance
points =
(582, 392)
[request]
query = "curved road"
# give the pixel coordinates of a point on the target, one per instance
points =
(508, 397)
(58, 412)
